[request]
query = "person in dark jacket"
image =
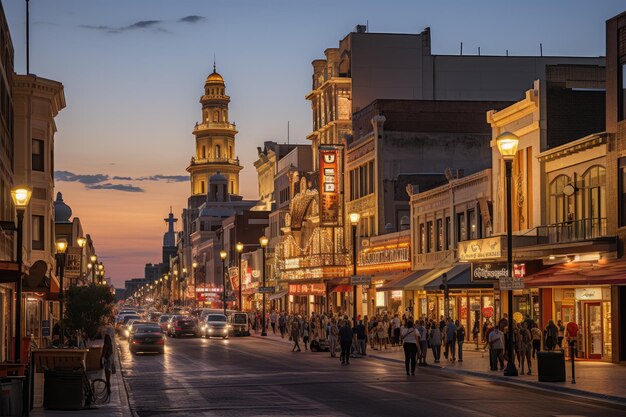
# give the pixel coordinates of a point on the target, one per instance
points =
(345, 340)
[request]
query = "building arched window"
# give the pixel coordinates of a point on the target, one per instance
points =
(230, 151)
(593, 195)
(232, 187)
(224, 116)
(202, 187)
(559, 206)
(203, 152)
(218, 153)
(216, 116)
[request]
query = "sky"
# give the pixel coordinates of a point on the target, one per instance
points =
(134, 70)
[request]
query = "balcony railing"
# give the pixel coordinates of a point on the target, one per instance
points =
(572, 231)
(199, 161)
(215, 125)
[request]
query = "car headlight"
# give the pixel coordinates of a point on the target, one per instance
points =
(126, 333)
(210, 330)
(230, 326)
(203, 327)
(225, 330)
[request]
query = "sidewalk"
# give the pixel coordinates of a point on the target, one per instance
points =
(597, 380)
(116, 407)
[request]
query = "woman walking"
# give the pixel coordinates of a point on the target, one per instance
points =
(106, 359)
(435, 341)
(295, 335)
(410, 337)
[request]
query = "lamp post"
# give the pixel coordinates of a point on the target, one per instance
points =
(94, 266)
(81, 244)
(21, 197)
(100, 272)
(223, 255)
(239, 247)
(263, 241)
(61, 246)
(354, 221)
(507, 145)
(194, 265)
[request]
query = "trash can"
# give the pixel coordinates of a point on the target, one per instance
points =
(63, 389)
(551, 366)
(11, 397)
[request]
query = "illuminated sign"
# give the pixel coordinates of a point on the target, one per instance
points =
(384, 256)
(329, 187)
(495, 270)
(233, 273)
(307, 289)
(489, 248)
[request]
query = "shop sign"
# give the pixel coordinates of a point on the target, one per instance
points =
(508, 284)
(488, 248)
(361, 280)
(384, 256)
(233, 274)
(494, 271)
(72, 262)
(589, 293)
(329, 187)
(267, 290)
(487, 312)
(191, 291)
(307, 289)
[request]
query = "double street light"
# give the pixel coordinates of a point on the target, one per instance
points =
(239, 247)
(81, 241)
(93, 267)
(263, 240)
(354, 221)
(61, 246)
(507, 145)
(21, 197)
(223, 256)
(194, 265)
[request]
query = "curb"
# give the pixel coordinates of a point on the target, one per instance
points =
(125, 407)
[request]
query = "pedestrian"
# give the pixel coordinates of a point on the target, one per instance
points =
(410, 337)
(551, 334)
(496, 344)
(345, 340)
(423, 348)
(450, 341)
(381, 335)
(361, 338)
(560, 334)
(535, 332)
(305, 334)
(107, 361)
(295, 335)
(460, 338)
(525, 341)
(282, 325)
(475, 334)
(395, 324)
(435, 342)
(572, 337)
(332, 337)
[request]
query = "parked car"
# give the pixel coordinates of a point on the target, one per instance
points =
(215, 325)
(182, 325)
(147, 338)
(239, 325)
(123, 323)
(163, 321)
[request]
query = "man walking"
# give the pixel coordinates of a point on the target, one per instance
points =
(345, 339)
(460, 338)
(451, 341)
(361, 338)
(332, 337)
(496, 343)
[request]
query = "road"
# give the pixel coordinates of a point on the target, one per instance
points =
(259, 377)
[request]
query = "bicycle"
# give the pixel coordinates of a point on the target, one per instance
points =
(96, 391)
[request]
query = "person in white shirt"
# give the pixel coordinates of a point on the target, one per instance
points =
(410, 338)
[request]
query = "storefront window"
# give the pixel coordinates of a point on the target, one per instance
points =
(606, 326)
(473, 224)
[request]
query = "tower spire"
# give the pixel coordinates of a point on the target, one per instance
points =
(214, 68)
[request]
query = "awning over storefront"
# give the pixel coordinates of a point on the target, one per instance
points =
(428, 276)
(342, 288)
(458, 277)
(278, 295)
(403, 280)
(579, 274)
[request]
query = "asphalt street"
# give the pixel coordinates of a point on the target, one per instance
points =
(256, 377)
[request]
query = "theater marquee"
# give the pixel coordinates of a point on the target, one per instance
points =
(329, 187)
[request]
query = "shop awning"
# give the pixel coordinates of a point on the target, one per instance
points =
(399, 283)
(427, 277)
(458, 277)
(278, 295)
(579, 274)
(342, 288)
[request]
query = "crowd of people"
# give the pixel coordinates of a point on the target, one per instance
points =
(336, 331)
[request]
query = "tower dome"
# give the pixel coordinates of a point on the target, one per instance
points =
(214, 77)
(62, 212)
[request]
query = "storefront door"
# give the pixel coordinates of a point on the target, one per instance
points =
(593, 314)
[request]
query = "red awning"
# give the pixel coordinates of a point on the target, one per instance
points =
(342, 288)
(579, 274)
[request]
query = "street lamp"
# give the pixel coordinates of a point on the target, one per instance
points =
(223, 255)
(263, 240)
(21, 197)
(101, 271)
(93, 259)
(239, 247)
(61, 246)
(354, 221)
(194, 265)
(80, 241)
(507, 145)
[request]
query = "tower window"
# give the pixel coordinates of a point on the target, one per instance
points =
(204, 152)
(218, 154)
(230, 152)
(232, 187)
(216, 116)
(202, 187)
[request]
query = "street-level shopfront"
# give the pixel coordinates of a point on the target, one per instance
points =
(587, 294)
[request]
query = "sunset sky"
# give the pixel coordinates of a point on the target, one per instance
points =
(133, 72)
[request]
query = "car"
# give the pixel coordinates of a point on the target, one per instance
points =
(147, 338)
(215, 325)
(164, 321)
(124, 323)
(182, 325)
(132, 326)
(119, 320)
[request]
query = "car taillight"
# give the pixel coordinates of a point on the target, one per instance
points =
(136, 342)
(160, 341)
(178, 328)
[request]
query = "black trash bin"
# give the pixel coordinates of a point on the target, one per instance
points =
(11, 397)
(551, 366)
(63, 389)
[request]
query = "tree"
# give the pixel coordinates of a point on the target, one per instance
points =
(87, 307)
